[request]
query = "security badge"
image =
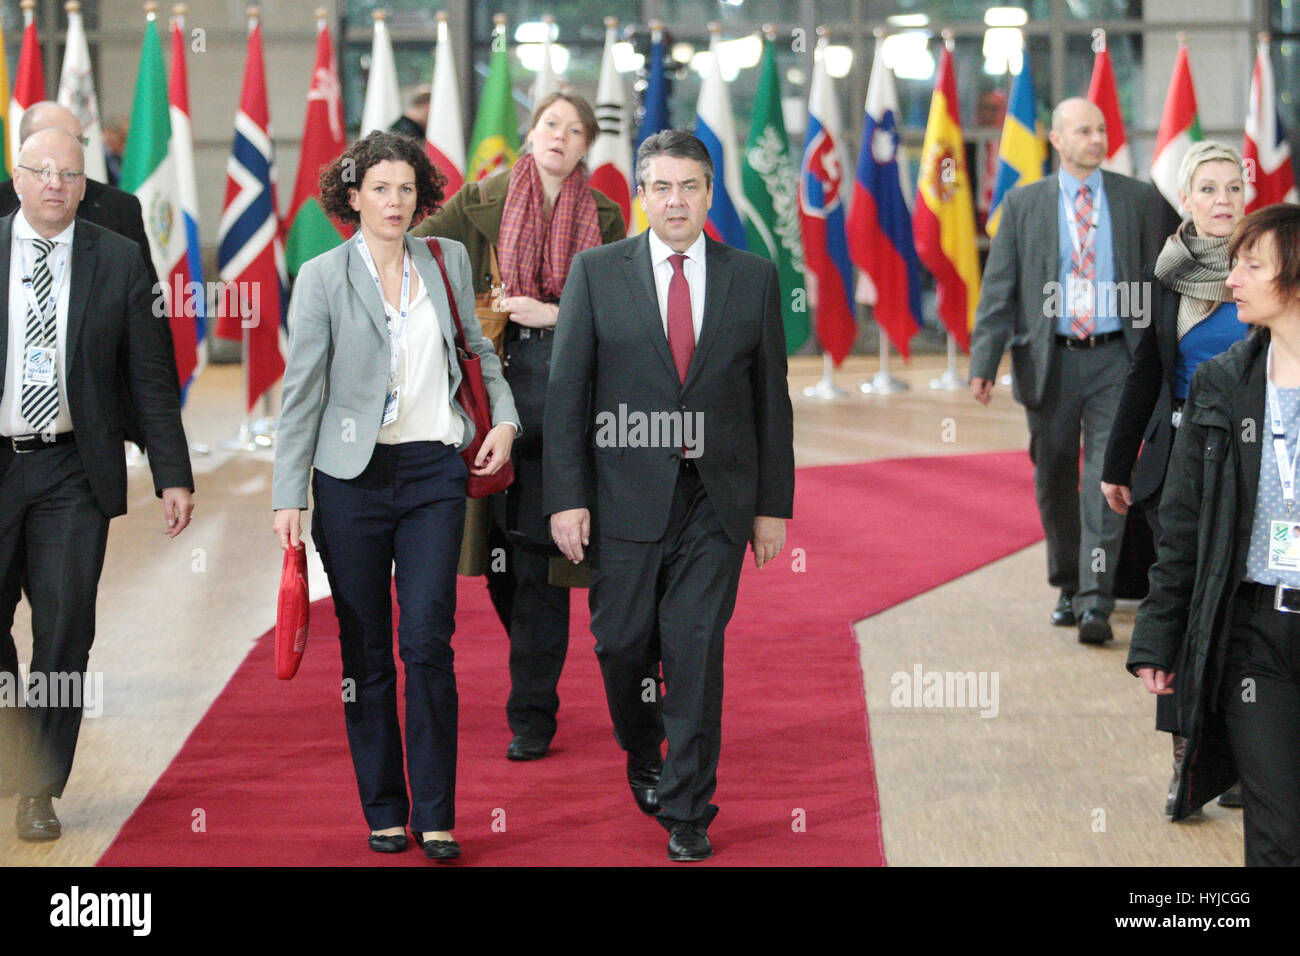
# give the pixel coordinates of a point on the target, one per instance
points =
(391, 401)
(39, 368)
(1284, 545)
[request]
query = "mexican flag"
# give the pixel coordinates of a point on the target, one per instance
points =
(311, 232)
(149, 171)
(771, 186)
(1179, 128)
(494, 144)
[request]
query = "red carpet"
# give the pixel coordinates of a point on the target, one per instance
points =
(265, 778)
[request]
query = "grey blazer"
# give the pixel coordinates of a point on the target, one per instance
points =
(337, 373)
(1023, 260)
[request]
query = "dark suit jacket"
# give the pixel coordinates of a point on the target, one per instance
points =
(611, 359)
(114, 344)
(1146, 406)
(1023, 265)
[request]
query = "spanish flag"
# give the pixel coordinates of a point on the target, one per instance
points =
(1022, 154)
(943, 217)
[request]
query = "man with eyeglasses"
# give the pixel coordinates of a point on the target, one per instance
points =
(77, 328)
(119, 212)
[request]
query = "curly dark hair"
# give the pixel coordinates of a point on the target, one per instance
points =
(348, 172)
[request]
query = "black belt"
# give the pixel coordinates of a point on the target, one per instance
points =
(1272, 596)
(1074, 342)
(527, 333)
(26, 443)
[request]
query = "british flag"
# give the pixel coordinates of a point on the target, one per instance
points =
(1269, 176)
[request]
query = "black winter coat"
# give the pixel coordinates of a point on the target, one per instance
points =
(1206, 514)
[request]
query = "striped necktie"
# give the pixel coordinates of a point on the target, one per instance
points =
(1084, 266)
(40, 403)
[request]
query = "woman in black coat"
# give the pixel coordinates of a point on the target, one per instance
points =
(1191, 318)
(1219, 629)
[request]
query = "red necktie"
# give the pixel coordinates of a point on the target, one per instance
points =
(1084, 264)
(681, 327)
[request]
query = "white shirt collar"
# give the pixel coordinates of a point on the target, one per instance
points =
(23, 229)
(660, 250)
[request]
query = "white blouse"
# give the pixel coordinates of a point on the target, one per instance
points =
(424, 410)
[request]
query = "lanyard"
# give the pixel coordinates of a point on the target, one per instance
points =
(50, 313)
(1068, 202)
(396, 330)
(1286, 463)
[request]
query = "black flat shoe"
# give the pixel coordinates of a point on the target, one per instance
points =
(35, 820)
(526, 748)
(689, 843)
(1094, 628)
(643, 772)
(437, 849)
(1063, 613)
(392, 843)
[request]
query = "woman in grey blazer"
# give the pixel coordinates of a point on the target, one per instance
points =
(368, 403)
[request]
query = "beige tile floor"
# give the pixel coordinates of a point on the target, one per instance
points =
(1068, 772)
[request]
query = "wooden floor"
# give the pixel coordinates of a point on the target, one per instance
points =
(1069, 771)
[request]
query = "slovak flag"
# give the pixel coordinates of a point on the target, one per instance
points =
(880, 222)
(716, 128)
(822, 193)
(1269, 176)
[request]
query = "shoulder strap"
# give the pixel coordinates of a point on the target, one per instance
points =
(436, 248)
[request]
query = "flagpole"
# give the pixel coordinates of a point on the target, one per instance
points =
(826, 388)
(949, 381)
(882, 383)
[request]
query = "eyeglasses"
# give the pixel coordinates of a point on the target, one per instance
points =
(46, 175)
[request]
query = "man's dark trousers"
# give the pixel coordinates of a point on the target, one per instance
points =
(671, 598)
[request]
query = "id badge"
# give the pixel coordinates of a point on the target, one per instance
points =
(39, 369)
(1284, 545)
(390, 407)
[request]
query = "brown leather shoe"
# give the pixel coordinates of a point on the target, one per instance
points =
(36, 821)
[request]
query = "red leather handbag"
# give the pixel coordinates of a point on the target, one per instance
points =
(473, 397)
(291, 613)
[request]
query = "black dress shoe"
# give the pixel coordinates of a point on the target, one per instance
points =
(36, 821)
(1094, 628)
(1063, 613)
(437, 849)
(392, 843)
(526, 748)
(688, 843)
(643, 771)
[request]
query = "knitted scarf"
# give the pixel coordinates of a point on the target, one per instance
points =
(1196, 267)
(535, 253)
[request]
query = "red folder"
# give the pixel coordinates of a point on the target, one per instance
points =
(291, 613)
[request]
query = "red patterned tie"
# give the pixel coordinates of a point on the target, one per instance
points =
(681, 327)
(1084, 263)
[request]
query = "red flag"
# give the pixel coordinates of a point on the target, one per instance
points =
(249, 253)
(310, 230)
(1102, 94)
(29, 84)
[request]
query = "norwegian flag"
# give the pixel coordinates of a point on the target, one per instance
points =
(1269, 176)
(249, 254)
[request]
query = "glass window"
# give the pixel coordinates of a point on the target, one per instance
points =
(1284, 15)
(941, 12)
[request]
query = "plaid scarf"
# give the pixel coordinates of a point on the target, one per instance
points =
(534, 253)
(1196, 267)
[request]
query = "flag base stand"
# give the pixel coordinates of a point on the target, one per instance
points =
(200, 449)
(949, 381)
(882, 383)
(825, 389)
(135, 456)
(245, 440)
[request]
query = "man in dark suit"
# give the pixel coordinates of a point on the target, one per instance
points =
(1063, 288)
(103, 205)
(78, 328)
(116, 211)
(668, 438)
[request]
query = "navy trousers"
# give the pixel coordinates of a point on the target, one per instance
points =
(405, 511)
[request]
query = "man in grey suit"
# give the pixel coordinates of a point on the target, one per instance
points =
(1063, 287)
(668, 430)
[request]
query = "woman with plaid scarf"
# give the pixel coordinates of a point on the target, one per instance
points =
(535, 217)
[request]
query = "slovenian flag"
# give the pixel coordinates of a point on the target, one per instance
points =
(822, 193)
(716, 129)
(880, 223)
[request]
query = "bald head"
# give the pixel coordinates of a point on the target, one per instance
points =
(48, 115)
(1079, 136)
(50, 179)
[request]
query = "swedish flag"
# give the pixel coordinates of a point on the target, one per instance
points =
(1022, 155)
